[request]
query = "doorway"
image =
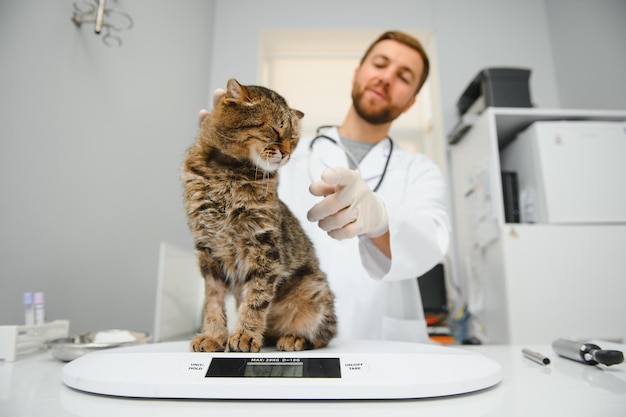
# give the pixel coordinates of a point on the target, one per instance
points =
(313, 69)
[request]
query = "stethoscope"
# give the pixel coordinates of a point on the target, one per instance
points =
(320, 135)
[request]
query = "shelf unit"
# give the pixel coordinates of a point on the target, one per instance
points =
(530, 283)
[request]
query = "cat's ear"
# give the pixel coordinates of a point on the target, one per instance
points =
(235, 91)
(298, 113)
(217, 95)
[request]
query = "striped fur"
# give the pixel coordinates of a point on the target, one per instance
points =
(247, 240)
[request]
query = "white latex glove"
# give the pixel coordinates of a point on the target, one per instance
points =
(217, 94)
(349, 207)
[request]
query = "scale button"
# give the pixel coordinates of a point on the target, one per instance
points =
(194, 368)
(354, 368)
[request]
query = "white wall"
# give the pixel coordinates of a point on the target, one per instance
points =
(574, 48)
(589, 52)
(469, 35)
(91, 138)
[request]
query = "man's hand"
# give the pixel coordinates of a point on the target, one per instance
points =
(217, 95)
(349, 207)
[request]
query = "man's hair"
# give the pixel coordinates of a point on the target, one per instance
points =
(409, 41)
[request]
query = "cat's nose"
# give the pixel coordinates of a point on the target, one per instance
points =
(286, 147)
(276, 156)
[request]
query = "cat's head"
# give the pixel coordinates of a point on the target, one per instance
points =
(255, 123)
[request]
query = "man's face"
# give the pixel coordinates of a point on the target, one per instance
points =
(384, 86)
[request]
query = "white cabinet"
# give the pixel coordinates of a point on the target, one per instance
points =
(531, 283)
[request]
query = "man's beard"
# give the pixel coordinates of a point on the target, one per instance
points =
(375, 117)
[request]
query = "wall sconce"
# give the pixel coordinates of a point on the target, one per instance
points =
(106, 20)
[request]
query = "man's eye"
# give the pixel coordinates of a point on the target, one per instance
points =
(406, 78)
(379, 62)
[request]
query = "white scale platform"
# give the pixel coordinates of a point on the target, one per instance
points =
(363, 370)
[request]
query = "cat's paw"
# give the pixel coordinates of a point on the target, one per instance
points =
(291, 343)
(203, 343)
(244, 342)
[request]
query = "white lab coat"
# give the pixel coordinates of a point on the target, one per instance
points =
(376, 298)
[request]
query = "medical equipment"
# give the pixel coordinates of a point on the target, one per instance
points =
(587, 353)
(69, 348)
(356, 370)
(21, 340)
(40, 312)
(105, 19)
(349, 155)
(29, 308)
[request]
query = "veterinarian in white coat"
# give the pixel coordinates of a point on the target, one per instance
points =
(373, 244)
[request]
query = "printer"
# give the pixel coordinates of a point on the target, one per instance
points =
(491, 87)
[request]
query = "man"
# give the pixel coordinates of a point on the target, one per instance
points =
(383, 208)
(377, 214)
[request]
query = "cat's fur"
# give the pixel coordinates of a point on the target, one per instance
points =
(247, 240)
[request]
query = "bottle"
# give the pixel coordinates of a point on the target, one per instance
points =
(40, 312)
(29, 309)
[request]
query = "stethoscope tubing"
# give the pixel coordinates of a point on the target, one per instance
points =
(334, 141)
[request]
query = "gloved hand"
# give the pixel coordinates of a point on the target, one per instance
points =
(217, 94)
(349, 207)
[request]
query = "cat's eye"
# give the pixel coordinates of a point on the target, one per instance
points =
(276, 132)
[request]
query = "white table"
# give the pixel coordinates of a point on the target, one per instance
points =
(32, 386)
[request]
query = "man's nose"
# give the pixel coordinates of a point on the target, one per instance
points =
(386, 77)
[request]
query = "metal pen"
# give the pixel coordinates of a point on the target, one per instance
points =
(536, 357)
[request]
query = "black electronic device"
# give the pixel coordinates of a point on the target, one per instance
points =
(432, 287)
(491, 87)
(510, 194)
(496, 87)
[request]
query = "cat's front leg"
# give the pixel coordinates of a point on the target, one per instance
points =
(248, 333)
(214, 327)
(250, 327)
(245, 342)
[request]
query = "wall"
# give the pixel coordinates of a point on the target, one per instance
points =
(590, 57)
(91, 138)
(543, 35)
(91, 141)
(469, 36)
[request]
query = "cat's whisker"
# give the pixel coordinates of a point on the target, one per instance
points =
(261, 160)
(267, 183)
(257, 163)
(264, 173)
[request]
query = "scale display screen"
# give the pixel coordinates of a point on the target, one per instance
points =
(222, 367)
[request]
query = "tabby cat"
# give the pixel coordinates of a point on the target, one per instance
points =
(246, 239)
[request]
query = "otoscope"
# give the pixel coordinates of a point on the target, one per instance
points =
(587, 353)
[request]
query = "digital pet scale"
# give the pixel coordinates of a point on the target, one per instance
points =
(363, 370)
